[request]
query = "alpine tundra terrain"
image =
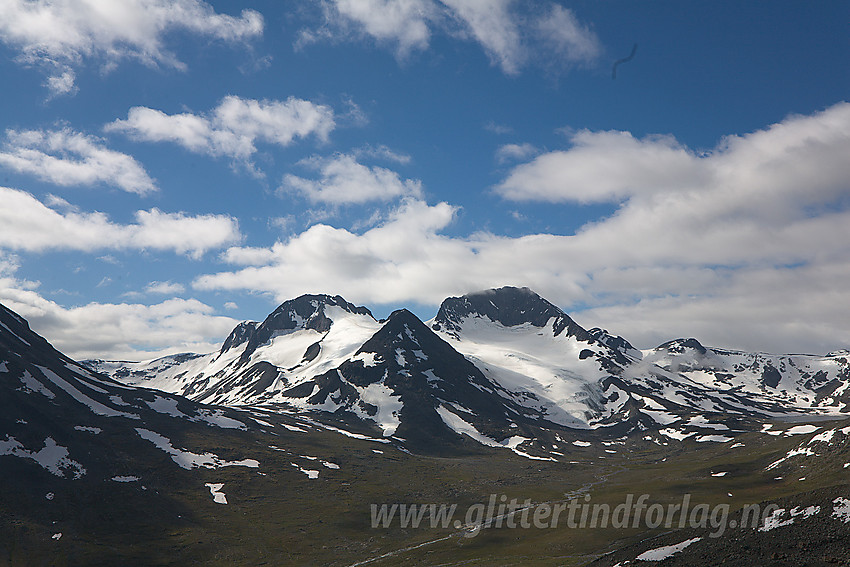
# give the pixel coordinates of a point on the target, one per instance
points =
(321, 436)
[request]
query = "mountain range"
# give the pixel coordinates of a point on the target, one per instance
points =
(502, 367)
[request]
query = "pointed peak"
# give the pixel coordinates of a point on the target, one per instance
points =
(240, 334)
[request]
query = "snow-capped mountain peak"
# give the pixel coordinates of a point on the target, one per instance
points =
(506, 306)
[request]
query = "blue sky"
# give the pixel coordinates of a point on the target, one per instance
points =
(170, 168)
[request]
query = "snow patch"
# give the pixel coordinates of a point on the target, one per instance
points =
(801, 430)
(125, 478)
(217, 494)
(53, 458)
(189, 460)
(661, 553)
(96, 407)
(310, 474)
(31, 385)
(841, 511)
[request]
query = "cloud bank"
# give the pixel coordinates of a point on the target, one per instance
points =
(59, 35)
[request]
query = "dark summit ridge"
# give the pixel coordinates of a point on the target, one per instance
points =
(509, 306)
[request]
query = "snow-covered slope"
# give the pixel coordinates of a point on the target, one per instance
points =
(806, 382)
(534, 350)
(301, 339)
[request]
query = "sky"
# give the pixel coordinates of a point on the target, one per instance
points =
(169, 168)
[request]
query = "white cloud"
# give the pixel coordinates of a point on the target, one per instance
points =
(564, 36)
(509, 32)
(382, 152)
(402, 24)
(115, 330)
(603, 167)
(233, 127)
(65, 157)
(29, 225)
(344, 180)
(59, 35)
(514, 152)
(165, 288)
(492, 25)
(746, 246)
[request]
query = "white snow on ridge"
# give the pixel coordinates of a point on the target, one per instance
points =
(189, 460)
(94, 406)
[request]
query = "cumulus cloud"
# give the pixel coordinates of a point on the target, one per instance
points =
(64, 157)
(58, 35)
(165, 288)
(402, 24)
(27, 224)
(509, 32)
(115, 330)
(514, 152)
(232, 128)
(743, 246)
(343, 180)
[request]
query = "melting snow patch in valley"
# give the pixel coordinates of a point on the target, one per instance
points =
(310, 474)
(841, 510)
(675, 434)
(775, 519)
(218, 419)
(791, 453)
(52, 457)
(94, 430)
(215, 490)
(715, 438)
(581, 443)
(661, 553)
(125, 478)
(188, 460)
(719, 474)
(801, 430)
